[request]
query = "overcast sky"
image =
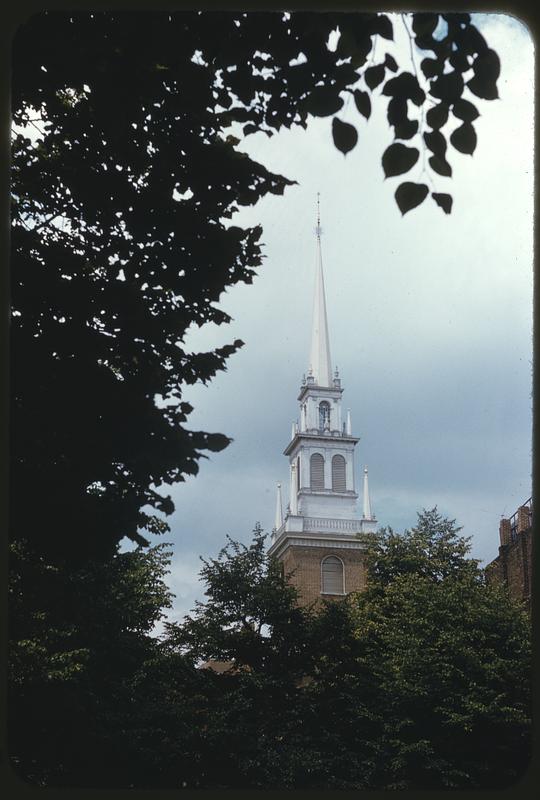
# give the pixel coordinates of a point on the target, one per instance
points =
(430, 320)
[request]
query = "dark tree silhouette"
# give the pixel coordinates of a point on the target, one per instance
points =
(121, 242)
(120, 234)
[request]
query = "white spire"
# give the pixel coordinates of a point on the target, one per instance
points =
(320, 344)
(367, 504)
(279, 509)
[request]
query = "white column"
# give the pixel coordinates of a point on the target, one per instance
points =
(303, 423)
(349, 471)
(349, 425)
(327, 470)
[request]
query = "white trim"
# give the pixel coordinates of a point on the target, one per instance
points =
(284, 541)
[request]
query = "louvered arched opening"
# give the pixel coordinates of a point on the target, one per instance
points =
(316, 471)
(339, 480)
(332, 576)
(324, 415)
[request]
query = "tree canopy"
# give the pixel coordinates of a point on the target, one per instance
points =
(122, 202)
(420, 682)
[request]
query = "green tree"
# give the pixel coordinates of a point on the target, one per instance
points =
(450, 656)
(251, 620)
(89, 680)
(422, 681)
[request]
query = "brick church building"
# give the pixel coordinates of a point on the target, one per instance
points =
(317, 538)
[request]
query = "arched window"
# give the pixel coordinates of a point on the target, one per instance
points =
(324, 415)
(316, 471)
(339, 482)
(332, 576)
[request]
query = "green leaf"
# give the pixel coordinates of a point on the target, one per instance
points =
(323, 101)
(407, 129)
(465, 111)
(483, 88)
(441, 166)
(409, 195)
(487, 66)
(424, 24)
(437, 116)
(470, 40)
(431, 67)
(398, 158)
(363, 102)
(344, 135)
(382, 25)
(464, 138)
(397, 111)
(405, 86)
(448, 87)
(444, 201)
(459, 61)
(404, 128)
(374, 75)
(390, 63)
(436, 143)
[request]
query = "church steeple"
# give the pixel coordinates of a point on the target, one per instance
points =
(320, 362)
(319, 534)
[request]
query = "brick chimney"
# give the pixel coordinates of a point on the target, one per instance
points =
(504, 531)
(523, 519)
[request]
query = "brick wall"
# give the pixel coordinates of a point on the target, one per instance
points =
(306, 564)
(513, 566)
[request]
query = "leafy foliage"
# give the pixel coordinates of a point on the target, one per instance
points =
(122, 241)
(422, 681)
(121, 236)
(451, 661)
(77, 666)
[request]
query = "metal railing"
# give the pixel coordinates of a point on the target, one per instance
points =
(514, 519)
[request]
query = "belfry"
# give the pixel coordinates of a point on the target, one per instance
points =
(317, 540)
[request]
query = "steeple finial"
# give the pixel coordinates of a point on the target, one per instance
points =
(367, 503)
(279, 509)
(320, 343)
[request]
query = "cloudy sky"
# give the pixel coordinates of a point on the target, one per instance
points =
(430, 324)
